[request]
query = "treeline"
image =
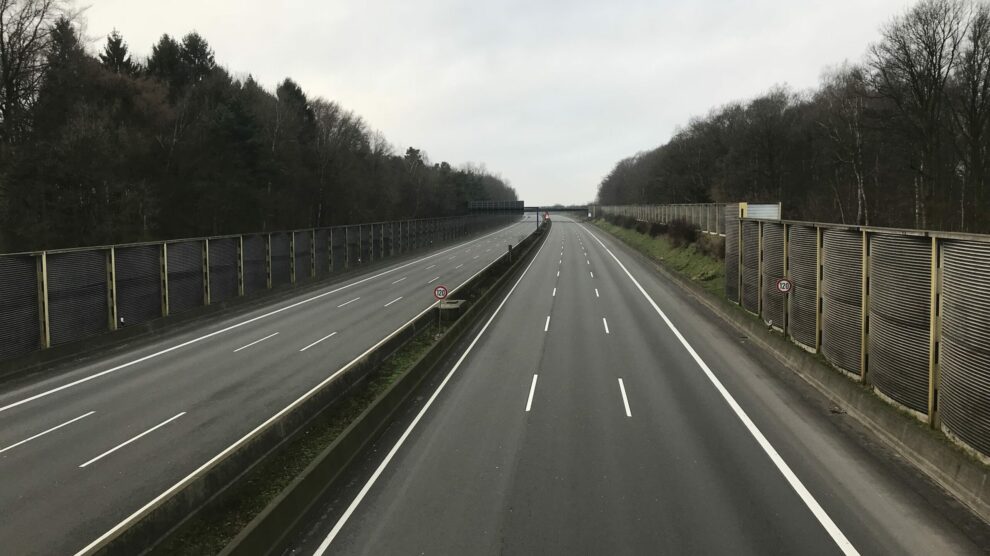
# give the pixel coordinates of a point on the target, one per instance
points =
(105, 148)
(900, 139)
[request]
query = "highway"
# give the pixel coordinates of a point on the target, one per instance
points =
(83, 449)
(603, 411)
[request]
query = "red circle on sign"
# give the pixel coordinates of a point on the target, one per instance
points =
(784, 285)
(440, 292)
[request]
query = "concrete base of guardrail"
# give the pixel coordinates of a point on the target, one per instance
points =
(947, 464)
(266, 531)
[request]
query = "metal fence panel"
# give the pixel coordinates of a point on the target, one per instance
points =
(842, 298)
(185, 276)
(377, 240)
(732, 252)
(281, 259)
(303, 259)
(338, 249)
(138, 283)
(77, 295)
(899, 324)
(367, 243)
(255, 264)
(322, 252)
(773, 269)
(802, 262)
(223, 269)
(353, 246)
(751, 266)
(964, 391)
(20, 330)
(387, 233)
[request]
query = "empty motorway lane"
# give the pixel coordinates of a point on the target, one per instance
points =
(81, 451)
(601, 412)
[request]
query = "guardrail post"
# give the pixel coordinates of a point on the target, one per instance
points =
(292, 258)
(312, 253)
(164, 277)
(112, 288)
(206, 271)
(864, 335)
(935, 335)
(786, 302)
(240, 266)
(43, 322)
(268, 260)
(819, 276)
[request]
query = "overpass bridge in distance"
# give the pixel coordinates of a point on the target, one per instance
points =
(519, 206)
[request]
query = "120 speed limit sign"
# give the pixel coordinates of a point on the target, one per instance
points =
(440, 292)
(784, 285)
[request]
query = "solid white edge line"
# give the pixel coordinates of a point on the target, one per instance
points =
(785, 470)
(625, 400)
(238, 325)
(391, 454)
(532, 389)
(393, 301)
(347, 302)
(399, 280)
(605, 322)
(547, 325)
(40, 434)
(119, 446)
(318, 341)
(256, 342)
(143, 510)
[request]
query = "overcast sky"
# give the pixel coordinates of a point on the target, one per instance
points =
(548, 94)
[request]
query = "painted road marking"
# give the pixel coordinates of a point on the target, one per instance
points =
(554, 292)
(348, 302)
(256, 342)
(434, 279)
(625, 400)
(40, 434)
(119, 446)
(596, 293)
(605, 322)
(399, 280)
(532, 389)
(429, 267)
(833, 530)
(547, 325)
(330, 335)
(393, 301)
(591, 273)
(458, 266)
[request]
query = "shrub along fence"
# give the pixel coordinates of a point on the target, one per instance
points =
(706, 217)
(904, 311)
(56, 297)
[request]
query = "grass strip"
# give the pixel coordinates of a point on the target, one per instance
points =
(689, 261)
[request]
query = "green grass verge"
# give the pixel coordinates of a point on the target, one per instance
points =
(687, 261)
(210, 531)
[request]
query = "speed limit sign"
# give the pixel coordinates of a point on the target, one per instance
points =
(440, 292)
(784, 285)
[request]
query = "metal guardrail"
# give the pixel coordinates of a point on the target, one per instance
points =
(56, 297)
(904, 311)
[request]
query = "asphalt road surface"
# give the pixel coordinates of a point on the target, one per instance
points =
(601, 411)
(81, 451)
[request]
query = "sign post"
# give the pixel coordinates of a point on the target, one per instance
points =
(440, 293)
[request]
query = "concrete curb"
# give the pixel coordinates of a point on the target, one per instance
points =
(927, 449)
(266, 531)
